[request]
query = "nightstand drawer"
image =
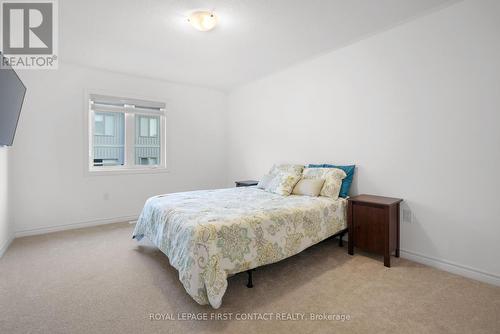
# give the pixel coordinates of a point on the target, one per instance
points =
(369, 229)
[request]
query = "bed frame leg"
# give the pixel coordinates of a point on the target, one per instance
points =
(341, 241)
(250, 283)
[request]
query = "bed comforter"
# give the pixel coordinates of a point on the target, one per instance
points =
(210, 234)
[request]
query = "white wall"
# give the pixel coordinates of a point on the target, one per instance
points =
(5, 224)
(50, 188)
(416, 108)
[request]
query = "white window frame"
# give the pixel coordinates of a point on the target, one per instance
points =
(130, 112)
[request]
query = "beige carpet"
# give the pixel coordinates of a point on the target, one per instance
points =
(98, 280)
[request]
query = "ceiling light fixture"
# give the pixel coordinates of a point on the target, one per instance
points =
(203, 20)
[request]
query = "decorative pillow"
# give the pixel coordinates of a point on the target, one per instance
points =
(264, 181)
(333, 180)
(346, 183)
(308, 187)
(283, 183)
(286, 168)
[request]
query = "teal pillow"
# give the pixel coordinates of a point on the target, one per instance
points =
(346, 183)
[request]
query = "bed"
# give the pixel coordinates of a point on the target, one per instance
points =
(209, 235)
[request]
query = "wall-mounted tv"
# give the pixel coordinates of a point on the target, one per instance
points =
(12, 92)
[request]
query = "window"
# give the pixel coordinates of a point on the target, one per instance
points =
(108, 144)
(148, 161)
(99, 125)
(104, 124)
(147, 142)
(148, 126)
(125, 134)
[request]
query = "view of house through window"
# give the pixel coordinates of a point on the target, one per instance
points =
(147, 141)
(125, 133)
(109, 139)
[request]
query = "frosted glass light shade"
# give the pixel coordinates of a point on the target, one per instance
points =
(203, 20)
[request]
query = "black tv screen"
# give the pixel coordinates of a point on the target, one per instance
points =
(12, 92)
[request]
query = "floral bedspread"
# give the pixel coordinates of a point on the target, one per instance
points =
(210, 234)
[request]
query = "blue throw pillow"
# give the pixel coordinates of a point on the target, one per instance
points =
(346, 183)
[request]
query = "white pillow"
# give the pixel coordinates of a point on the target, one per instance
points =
(308, 187)
(286, 168)
(264, 181)
(333, 180)
(283, 183)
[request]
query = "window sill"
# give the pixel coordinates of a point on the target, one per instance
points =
(126, 171)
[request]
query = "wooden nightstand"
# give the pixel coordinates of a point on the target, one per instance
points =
(246, 183)
(373, 223)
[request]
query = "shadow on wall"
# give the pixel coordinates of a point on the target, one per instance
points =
(410, 224)
(354, 185)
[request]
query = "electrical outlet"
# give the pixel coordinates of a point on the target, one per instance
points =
(407, 216)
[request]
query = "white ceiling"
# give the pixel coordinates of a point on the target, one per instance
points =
(254, 37)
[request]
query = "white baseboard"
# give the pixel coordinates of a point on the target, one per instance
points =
(3, 248)
(56, 228)
(448, 266)
(452, 267)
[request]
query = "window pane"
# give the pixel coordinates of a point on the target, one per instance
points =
(148, 161)
(147, 140)
(109, 125)
(153, 127)
(120, 136)
(99, 124)
(144, 126)
(108, 144)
